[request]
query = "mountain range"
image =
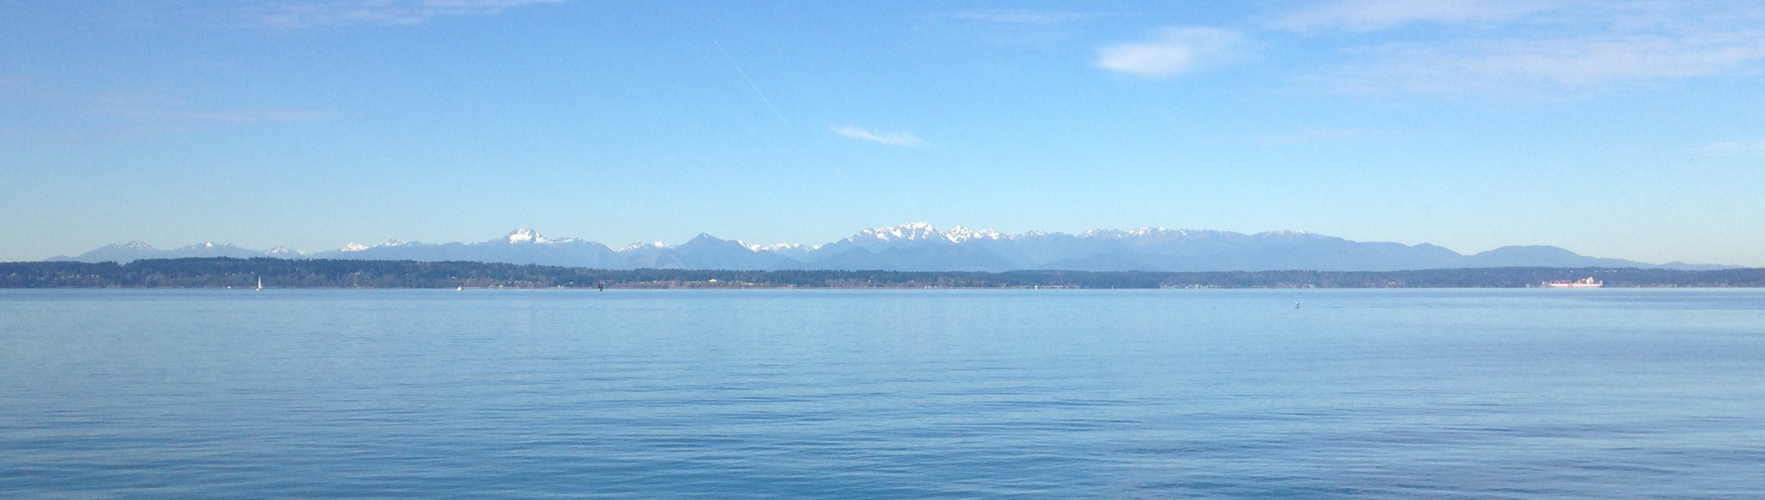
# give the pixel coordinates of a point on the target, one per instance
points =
(920, 247)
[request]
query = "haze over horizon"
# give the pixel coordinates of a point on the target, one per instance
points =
(1621, 130)
(905, 232)
(921, 247)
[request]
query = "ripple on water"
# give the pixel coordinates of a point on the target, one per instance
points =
(883, 394)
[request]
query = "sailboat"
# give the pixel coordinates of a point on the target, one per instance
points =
(260, 283)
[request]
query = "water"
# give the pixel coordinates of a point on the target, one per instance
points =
(883, 394)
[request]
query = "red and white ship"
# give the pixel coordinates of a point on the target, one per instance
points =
(1587, 282)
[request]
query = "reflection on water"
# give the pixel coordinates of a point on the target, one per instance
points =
(948, 393)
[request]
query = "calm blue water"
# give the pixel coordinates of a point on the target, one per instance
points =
(883, 394)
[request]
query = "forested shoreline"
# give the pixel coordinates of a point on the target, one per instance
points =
(283, 273)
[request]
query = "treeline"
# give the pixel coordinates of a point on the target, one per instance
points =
(280, 273)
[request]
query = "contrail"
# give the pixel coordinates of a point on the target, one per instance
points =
(738, 70)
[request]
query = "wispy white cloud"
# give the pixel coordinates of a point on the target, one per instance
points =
(1734, 148)
(1519, 64)
(1369, 15)
(249, 116)
(1174, 51)
(87, 115)
(163, 109)
(1543, 47)
(1018, 16)
(315, 14)
(1583, 61)
(890, 138)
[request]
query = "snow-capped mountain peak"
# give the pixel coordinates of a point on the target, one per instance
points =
(784, 247)
(204, 246)
(280, 251)
(641, 245)
(908, 231)
(1103, 233)
(353, 247)
(1131, 233)
(960, 234)
(138, 245)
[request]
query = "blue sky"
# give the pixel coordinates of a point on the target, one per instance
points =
(1615, 129)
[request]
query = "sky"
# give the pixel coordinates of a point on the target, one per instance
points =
(1614, 129)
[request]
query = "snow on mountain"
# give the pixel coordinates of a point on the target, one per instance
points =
(783, 247)
(125, 252)
(136, 250)
(1133, 233)
(285, 252)
(883, 238)
(642, 246)
(910, 231)
(960, 234)
(795, 251)
(529, 236)
(709, 252)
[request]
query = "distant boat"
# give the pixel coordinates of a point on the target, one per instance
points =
(260, 283)
(1587, 282)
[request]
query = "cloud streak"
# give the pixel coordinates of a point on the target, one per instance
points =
(1370, 15)
(320, 14)
(750, 81)
(1513, 64)
(1577, 45)
(1734, 148)
(159, 108)
(906, 139)
(253, 116)
(1174, 51)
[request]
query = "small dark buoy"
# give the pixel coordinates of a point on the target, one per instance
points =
(1295, 305)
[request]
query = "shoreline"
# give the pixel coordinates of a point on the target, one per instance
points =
(220, 273)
